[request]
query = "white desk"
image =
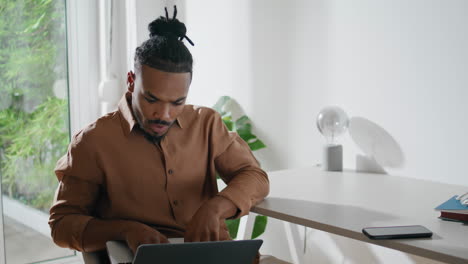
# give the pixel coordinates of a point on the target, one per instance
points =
(343, 203)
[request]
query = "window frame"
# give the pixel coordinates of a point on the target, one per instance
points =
(83, 62)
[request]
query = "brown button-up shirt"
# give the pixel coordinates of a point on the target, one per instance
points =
(111, 171)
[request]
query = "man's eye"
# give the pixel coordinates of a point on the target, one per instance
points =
(178, 103)
(150, 100)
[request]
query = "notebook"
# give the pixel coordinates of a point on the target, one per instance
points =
(453, 205)
(454, 217)
(226, 252)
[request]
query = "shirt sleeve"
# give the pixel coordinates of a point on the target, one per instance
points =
(79, 184)
(247, 183)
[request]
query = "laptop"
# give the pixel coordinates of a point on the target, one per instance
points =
(177, 252)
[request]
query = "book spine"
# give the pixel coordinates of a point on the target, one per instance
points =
(455, 216)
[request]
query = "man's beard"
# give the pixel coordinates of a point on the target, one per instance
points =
(149, 136)
(152, 138)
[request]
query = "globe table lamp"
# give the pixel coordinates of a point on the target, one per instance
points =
(332, 122)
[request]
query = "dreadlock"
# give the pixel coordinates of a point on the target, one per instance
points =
(165, 50)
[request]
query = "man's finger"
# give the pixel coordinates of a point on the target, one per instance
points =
(163, 239)
(214, 235)
(192, 237)
(197, 236)
(133, 248)
(155, 240)
(206, 236)
(188, 236)
(195, 239)
(224, 235)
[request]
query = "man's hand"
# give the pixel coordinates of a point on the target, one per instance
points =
(208, 222)
(137, 234)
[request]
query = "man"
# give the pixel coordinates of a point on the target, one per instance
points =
(147, 171)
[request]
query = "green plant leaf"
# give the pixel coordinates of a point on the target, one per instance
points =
(226, 117)
(39, 20)
(244, 129)
(256, 145)
(259, 226)
(242, 121)
(219, 106)
(245, 133)
(229, 124)
(233, 227)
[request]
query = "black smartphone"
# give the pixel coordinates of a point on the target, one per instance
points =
(391, 232)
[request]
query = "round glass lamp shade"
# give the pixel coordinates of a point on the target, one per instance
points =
(332, 122)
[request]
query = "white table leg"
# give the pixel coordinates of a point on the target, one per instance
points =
(294, 242)
(246, 226)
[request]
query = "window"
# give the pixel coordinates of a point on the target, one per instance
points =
(34, 123)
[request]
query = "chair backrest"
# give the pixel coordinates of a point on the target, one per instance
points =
(99, 257)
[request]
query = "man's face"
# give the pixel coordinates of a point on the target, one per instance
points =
(158, 98)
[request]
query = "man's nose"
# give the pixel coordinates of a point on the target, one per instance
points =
(162, 112)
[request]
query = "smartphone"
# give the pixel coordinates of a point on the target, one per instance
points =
(391, 232)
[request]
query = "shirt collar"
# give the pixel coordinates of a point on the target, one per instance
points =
(128, 121)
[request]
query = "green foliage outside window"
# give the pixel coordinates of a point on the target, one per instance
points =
(33, 122)
(243, 127)
(34, 142)
(32, 48)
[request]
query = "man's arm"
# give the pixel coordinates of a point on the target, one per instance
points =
(247, 184)
(73, 227)
(71, 219)
(70, 212)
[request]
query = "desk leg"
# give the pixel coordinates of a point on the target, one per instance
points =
(246, 226)
(293, 237)
(294, 242)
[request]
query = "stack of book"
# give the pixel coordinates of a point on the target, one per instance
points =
(455, 209)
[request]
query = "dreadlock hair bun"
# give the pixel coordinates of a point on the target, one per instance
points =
(167, 28)
(165, 50)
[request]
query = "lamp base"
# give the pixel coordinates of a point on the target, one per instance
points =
(332, 158)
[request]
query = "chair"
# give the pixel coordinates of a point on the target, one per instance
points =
(99, 257)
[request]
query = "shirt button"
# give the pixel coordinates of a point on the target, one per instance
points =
(175, 202)
(170, 171)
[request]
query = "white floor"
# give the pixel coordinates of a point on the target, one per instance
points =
(24, 245)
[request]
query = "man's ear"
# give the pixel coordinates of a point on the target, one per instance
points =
(130, 81)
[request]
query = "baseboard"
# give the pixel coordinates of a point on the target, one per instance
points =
(28, 216)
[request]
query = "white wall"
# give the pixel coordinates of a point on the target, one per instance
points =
(245, 49)
(147, 11)
(220, 31)
(401, 64)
